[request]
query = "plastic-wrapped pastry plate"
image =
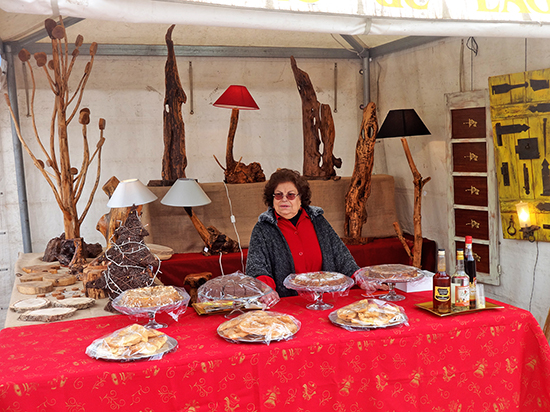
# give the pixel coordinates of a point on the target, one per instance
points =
(368, 314)
(318, 281)
(259, 326)
(132, 343)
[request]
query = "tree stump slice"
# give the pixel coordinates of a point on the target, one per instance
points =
(59, 279)
(77, 303)
(34, 288)
(40, 268)
(47, 315)
(31, 277)
(25, 305)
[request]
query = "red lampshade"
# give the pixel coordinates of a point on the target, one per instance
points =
(236, 97)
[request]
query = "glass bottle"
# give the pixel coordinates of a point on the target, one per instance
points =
(470, 268)
(460, 285)
(441, 286)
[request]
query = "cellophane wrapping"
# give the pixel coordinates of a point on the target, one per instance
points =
(309, 292)
(133, 342)
(369, 279)
(369, 314)
(141, 302)
(237, 289)
(260, 327)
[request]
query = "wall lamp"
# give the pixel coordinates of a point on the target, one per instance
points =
(524, 217)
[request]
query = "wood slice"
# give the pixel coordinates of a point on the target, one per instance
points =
(77, 303)
(25, 305)
(40, 268)
(162, 252)
(31, 277)
(36, 287)
(60, 279)
(47, 315)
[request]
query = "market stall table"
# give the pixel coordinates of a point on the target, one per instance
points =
(494, 360)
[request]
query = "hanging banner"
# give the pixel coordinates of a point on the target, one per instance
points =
(467, 10)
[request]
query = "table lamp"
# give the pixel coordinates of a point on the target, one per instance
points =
(187, 193)
(403, 123)
(131, 192)
(235, 98)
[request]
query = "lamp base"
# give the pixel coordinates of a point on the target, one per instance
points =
(529, 232)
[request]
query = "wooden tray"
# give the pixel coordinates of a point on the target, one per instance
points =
(429, 307)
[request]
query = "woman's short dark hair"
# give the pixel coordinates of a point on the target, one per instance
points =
(283, 176)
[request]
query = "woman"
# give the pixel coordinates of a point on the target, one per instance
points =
(293, 237)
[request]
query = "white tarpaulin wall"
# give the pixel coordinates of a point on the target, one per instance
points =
(491, 18)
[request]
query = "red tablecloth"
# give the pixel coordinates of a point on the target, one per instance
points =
(495, 360)
(377, 252)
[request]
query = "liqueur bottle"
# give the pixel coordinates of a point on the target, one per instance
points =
(470, 268)
(460, 285)
(442, 286)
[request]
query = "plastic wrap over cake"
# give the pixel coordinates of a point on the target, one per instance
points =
(259, 326)
(369, 314)
(133, 342)
(152, 299)
(319, 282)
(236, 289)
(369, 277)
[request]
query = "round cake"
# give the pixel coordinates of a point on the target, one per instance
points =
(315, 279)
(149, 297)
(231, 287)
(392, 271)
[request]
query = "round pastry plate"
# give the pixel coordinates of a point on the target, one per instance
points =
(95, 351)
(333, 317)
(366, 274)
(259, 338)
(348, 282)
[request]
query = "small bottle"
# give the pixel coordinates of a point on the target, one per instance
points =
(470, 268)
(442, 286)
(460, 285)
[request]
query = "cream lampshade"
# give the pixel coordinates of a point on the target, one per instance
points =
(129, 193)
(185, 193)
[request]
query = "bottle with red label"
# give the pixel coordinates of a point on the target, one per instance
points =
(470, 268)
(441, 286)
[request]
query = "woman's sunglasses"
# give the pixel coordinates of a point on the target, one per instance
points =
(289, 196)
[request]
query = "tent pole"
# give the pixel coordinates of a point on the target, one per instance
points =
(18, 154)
(366, 78)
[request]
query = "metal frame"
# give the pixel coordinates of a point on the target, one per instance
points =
(30, 42)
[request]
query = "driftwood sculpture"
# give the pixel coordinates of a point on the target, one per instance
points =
(67, 182)
(318, 126)
(236, 171)
(416, 253)
(360, 185)
(174, 160)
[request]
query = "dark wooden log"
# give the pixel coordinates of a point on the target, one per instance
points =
(194, 281)
(215, 241)
(174, 160)
(314, 125)
(360, 185)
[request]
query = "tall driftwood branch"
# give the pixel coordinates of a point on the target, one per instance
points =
(360, 185)
(317, 126)
(399, 233)
(66, 181)
(417, 216)
(174, 159)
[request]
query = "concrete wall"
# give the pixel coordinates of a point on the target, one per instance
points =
(128, 93)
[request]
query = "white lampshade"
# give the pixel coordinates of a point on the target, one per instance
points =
(185, 193)
(129, 193)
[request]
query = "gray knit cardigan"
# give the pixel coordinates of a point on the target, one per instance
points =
(269, 253)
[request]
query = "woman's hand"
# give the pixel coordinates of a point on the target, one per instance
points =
(270, 299)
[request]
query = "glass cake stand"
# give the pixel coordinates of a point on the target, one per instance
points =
(362, 278)
(318, 291)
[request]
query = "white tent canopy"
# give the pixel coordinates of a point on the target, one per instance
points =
(492, 18)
